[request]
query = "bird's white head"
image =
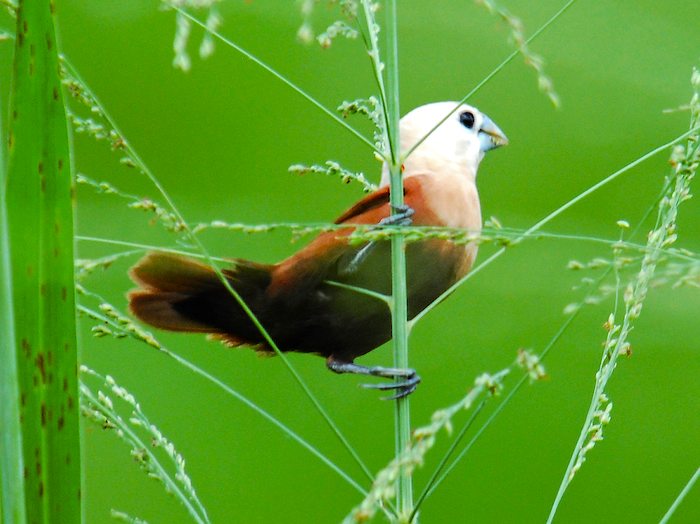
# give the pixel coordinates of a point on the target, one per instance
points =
(455, 147)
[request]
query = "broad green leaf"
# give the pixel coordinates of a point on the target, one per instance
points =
(40, 220)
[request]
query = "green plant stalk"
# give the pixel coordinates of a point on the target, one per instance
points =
(399, 309)
(11, 460)
(40, 224)
(686, 489)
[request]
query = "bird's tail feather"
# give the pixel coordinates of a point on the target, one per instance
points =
(181, 294)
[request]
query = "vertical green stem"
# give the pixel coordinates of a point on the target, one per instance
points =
(399, 310)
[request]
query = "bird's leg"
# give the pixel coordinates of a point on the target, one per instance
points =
(404, 388)
(401, 217)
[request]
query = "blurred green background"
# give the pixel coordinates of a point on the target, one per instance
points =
(220, 139)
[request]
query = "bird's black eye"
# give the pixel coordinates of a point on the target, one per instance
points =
(467, 119)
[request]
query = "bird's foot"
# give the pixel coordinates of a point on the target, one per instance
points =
(404, 387)
(401, 216)
(407, 383)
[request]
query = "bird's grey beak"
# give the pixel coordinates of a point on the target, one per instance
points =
(491, 136)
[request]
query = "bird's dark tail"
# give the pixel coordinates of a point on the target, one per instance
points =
(181, 294)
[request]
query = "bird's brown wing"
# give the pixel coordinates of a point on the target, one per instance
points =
(318, 260)
(363, 211)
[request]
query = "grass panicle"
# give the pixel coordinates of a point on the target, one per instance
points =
(162, 215)
(517, 33)
(121, 516)
(685, 160)
(113, 323)
(183, 29)
(332, 168)
(384, 489)
(371, 109)
(347, 10)
(113, 408)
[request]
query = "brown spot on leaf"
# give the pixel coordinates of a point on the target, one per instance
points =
(49, 42)
(32, 50)
(61, 423)
(69, 402)
(25, 27)
(65, 384)
(52, 7)
(11, 139)
(64, 293)
(41, 489)
(14, 114)
(20, 39)
(26, 348)
(30, 270)
(23, 399)
(67, 459)
(55, 93)
(42, 289)
(26, 472)
(44, 415)
(38, 469)
(60, 164)
(40, 167)
(56, 252)
(41, 365)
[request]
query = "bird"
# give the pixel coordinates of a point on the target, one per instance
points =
(309, 302)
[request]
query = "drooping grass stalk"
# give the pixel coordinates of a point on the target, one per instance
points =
(432, 486)
(684, 161)
(40, 219)
(11, 461)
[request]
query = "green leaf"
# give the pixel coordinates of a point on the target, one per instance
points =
(40, 220)
(11, 464)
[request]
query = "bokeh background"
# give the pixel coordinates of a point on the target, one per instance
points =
(220, 139)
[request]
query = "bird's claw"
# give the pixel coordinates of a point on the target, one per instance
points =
(403, 388)
(407, 383)
(402, 216)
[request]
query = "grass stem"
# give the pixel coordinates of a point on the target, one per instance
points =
(399, 310)
(686, 489)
